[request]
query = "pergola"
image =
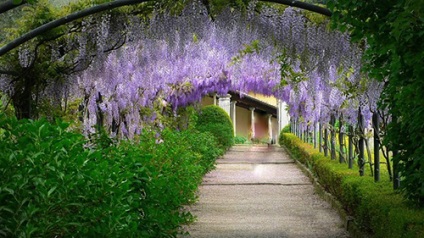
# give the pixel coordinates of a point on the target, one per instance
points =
(8, 5)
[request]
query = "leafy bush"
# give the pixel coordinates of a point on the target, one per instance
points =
(377, 209)
(286, 129)
(388, 59)
(215, 120)
(240, 140)
(52, 183)
(52, 186)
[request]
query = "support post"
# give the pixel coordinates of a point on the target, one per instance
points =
(320, 136)
(325, 141)
(361, 159)
(295, 127)
(306, 138)
(341, 140)
(333, 136)
(233, 112)
(291, 126)
(224, 102)
(375, 122)
(315, 135)
(350, 156)
(252, 124)
(271, 139)
(396, 177)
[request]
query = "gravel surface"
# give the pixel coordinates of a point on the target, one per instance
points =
(257, 191)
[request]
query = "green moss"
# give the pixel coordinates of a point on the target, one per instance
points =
(377, 208)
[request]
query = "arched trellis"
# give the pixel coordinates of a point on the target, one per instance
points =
(115, 4)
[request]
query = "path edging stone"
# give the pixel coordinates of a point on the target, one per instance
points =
(349, 221)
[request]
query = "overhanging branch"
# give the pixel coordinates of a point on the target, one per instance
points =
(64, 20)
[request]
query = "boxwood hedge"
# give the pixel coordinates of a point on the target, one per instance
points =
(377, 210)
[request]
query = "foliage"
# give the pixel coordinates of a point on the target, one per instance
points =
(240, 140)
(376, 208)
(215, 120)
(56, 183)
(393, 37)
(286, 129)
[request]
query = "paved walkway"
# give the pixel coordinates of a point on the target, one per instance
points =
(256, 191)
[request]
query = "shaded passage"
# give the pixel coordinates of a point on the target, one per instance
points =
(256, 191)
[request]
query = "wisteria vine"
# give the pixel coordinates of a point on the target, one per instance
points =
(177, 60)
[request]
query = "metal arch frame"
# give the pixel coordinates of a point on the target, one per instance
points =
(9, 5)
(119, 3)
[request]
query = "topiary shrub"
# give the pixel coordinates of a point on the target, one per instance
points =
(240, 140)
(215, 120)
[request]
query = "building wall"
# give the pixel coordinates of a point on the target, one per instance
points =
(261, 127)
(243, 119)
(270, 100)
(207, 101)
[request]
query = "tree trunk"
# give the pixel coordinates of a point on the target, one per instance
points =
(22, 99)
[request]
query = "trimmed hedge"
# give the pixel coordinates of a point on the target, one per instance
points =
(55, 183)
(216, 121)
(378, 210)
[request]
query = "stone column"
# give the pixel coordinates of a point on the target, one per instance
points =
(279, 116)
(271, 139)
(224, 102)
(252, 124)
(283, 118)
(233, 115)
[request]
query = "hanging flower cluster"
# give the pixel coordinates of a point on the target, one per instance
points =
(179, 59)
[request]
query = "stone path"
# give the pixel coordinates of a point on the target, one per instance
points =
(256, 191)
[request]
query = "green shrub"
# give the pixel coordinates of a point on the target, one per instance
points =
(176, 168)
(240, 140)
(55, 183)
(286, 129)
(50, 185)
(377, 209)
(215, 120)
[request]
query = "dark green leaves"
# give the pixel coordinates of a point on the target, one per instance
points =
(17, 2)
(54, 183)
(394, 33)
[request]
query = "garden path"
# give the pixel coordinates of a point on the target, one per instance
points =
(258, 191)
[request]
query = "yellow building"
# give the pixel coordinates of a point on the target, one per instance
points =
(254, 116)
